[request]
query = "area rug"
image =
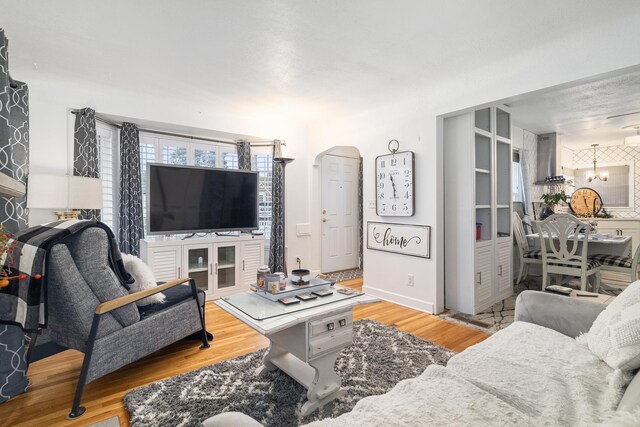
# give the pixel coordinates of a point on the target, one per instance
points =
(502, 314)
(378, 359)
(342, 276)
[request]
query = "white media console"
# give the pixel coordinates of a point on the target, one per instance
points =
(220, 265)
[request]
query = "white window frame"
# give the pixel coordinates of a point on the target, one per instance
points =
(177, 143)
(631, 181)
(193, 146)
(103, 128)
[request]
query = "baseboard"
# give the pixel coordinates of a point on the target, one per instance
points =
(403, 300)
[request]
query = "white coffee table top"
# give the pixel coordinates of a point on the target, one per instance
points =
(273, 316)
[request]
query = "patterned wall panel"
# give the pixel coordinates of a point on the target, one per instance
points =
(14, 141)
(14, 157)
(615, 154)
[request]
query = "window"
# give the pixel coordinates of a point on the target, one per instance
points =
(263, 163)
(106, 139)
(230, 160)
(616, 191)
(518, 181)
(204, 155)
(173, 152)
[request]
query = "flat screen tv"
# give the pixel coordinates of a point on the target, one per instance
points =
(187, 199)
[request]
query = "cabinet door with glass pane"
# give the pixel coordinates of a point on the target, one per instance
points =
(225, 268)
(198, 265)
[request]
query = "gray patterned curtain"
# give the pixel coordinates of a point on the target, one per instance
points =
(131, 228)
(277, 260)
(243, 149)
(14, 158)
(85, 153)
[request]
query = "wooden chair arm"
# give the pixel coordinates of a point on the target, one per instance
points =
(108, 306)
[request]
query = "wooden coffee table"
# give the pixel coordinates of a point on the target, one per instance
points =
(306, 338)
(601, 298)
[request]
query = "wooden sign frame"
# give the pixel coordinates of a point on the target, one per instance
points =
(403, 239)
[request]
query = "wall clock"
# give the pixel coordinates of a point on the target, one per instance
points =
(394, 182)
(585, 202)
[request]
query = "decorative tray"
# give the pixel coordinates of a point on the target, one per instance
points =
(292, 290)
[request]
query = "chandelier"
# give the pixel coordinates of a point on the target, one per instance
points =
(603, 175)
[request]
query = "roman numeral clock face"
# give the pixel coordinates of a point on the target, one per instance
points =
(394, 184)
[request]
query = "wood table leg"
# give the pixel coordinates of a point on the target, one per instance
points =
(325, 386)
(273, 352)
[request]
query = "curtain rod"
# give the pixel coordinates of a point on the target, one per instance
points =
(269, 143)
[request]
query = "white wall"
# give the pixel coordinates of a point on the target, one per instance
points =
(51, 135)
(413, 119)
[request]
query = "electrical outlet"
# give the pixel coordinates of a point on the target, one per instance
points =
(410, 280)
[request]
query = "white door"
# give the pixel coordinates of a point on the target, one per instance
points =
(340, 233)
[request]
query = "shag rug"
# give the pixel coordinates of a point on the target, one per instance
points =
(379, 358)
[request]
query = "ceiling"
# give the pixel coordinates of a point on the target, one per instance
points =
(300, 57)
(580, 113)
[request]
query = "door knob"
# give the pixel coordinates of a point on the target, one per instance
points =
(324, 211)
(324, 219)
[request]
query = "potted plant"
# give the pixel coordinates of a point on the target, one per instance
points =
(551, 200)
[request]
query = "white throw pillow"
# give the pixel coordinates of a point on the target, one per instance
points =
(144, 279)
(615, 335)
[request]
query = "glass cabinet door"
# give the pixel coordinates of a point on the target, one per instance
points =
(225, 267)
(198, 265)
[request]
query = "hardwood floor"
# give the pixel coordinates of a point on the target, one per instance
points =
(54, 379)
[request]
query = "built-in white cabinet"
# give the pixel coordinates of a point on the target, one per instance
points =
(220, 265)
(478, 194)
(165, 261)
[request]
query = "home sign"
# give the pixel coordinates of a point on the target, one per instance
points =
(404, 239)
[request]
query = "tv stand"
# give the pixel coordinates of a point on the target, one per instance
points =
(220, 265)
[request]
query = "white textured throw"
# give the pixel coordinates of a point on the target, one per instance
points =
(524, 375)
(144, 279)
(615, 335)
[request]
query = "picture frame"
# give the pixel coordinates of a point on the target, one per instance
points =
(404, 239)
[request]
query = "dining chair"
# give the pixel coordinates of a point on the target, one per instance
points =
(564, 241)
(620, 264)
(527, 256)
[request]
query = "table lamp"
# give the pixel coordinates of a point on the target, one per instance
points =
(64, 194)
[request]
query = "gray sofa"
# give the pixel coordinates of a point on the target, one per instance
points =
(89, 310)
(533, 372)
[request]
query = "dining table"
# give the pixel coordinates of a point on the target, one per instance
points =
(607, 244)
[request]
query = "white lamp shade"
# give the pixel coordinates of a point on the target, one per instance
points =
(632, 140)
(85, 193)
(63, 192)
